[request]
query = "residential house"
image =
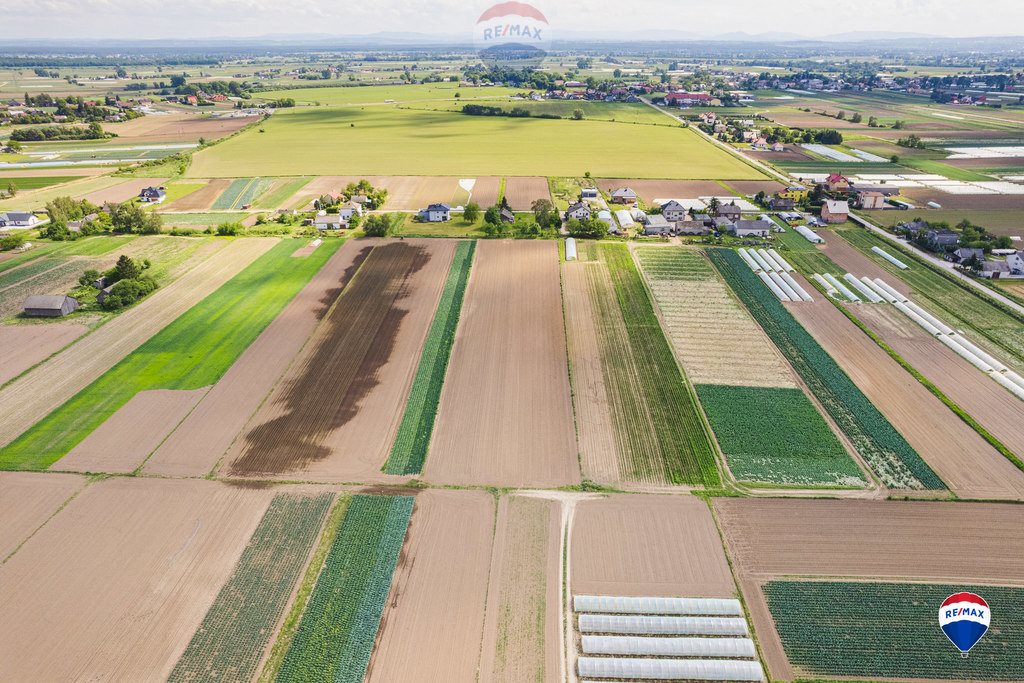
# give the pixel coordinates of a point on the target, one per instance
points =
(797, 193)
(623, 195)
(995, 270)
(330, 221)
(778, 147)
(781, 204)
(913, 227)
(579, 210)
(730, 211)
(673, 211)
(76, 226)
(1016, 263)
(692, 228)
(437, 213)
(942, 239)
(964, 254)
(657, 225)
(18, 219)
(871, 200)
(505, 215)
(758, 228)
(41, 306)
(589, 193)
(837, 182)
(152, 195)
(834, 211)
(721, 224)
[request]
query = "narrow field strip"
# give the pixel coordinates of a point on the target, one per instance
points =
(191, 352)
(229, 643)
(337, 631)
(275, 198)
(884, 449)
(241, 192)
(826, 630)
(776, 436)
(686, 447)
(413, 439)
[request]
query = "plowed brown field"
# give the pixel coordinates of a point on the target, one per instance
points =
(485, 191)
(524, 606)
(120, 579)
(22, 346)
(27, 500)
(648, 546)
(122, 192)
(521, 192)
(846, 256)
(505, 416)
(433, 624)
(194, 448)
(334, 416)
(34, 395)
(968, 465)
(202, 199)
(124, 440)
(649, 190)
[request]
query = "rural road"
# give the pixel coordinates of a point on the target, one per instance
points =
(982, 289)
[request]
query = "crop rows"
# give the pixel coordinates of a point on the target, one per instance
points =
(335, 637)
(229, 643)
(241, 192)
(958, 306)
(886, 451)
(883, 630)
(192, 352)
(775, 435)
(413, 438)
(686, 447)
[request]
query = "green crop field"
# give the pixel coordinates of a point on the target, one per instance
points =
(275, 199)
(949, 300)
(885, 450)
(891, 630)
(36, 182)
(410, 448)
(240, 192)
(336, 634)
(378, 94)
(686, 449)
(202, 219)
(387, 141)
(229, 644)
(622, 112)
(776, 436)
(36, 200)
(192, 352)
(998, 221)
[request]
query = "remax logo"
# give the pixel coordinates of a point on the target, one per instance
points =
(964, 618)
(514, 32)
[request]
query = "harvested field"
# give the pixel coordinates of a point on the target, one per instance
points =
(524, 606)
(792, 153)
(433, 625)
(968, 465)
(363, 357)
(37, 393)
(648, 546)
(750, 187)
(52, 172)
(120, 579)
(850, 260)
(714, 337)
(981, 202)
(121, 444)
(485, 191)
(521, 192)
(28, 500)
(22, 346)
(649, 190)
(431, 190)
(508, 377)
(122, 192)
(405, 193)
(997, 410)
(875, 539)
(175, 127)
(200, 200)
(194, 448)
(230, 642)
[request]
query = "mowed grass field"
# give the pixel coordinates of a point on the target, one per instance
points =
(386, 141)
(345, 95)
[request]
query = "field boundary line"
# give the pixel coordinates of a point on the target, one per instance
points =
(88, 481)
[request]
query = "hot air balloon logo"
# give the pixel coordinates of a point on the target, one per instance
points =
(964, 618)
(512, 33)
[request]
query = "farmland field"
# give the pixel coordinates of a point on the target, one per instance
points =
(27, 500)
(382, 141)
(413, 439)
(25, 184)
(242, 307)
(826, 630)
(230, 641)
(882, 447)
(278, 195)
(686, 448)
(337, 631)
(240, 192)
(398, 93)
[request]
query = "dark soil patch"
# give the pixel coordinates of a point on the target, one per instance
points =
(332, 294)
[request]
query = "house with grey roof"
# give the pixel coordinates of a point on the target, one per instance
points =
(758, 228)
(657, 225)
(730, 211)
(44, 306)
(673, 211)
(437, 213)
(579, 210)
(623, 195)
(18, 219)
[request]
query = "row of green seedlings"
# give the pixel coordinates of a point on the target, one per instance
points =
(768, 435)
(687, 449)
(409, 451)
(241, 192)
(884, 449)
(335, 637)
(233, 635)
(889, 630)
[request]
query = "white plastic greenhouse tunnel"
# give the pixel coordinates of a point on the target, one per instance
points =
(570, 249)
(606, 604)
(679, 626)
(735, 648)
(670, 669)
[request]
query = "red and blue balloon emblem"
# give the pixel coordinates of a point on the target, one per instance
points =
(964, 618)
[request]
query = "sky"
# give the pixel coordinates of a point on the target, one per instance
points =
(169, 19)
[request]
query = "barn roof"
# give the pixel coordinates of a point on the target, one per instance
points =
(45, 302)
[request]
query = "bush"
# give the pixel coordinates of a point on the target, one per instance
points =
(471, 212)
(11, 242)
(377, 225)
(127, 292)
(230, 229)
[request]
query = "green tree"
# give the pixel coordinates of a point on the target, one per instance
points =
(856, 118)
(129, 217)
(471, 212)
(12, 189)
(577, 115)
(377, 225)
(544, 213)
(126, 268)
(493, 215)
